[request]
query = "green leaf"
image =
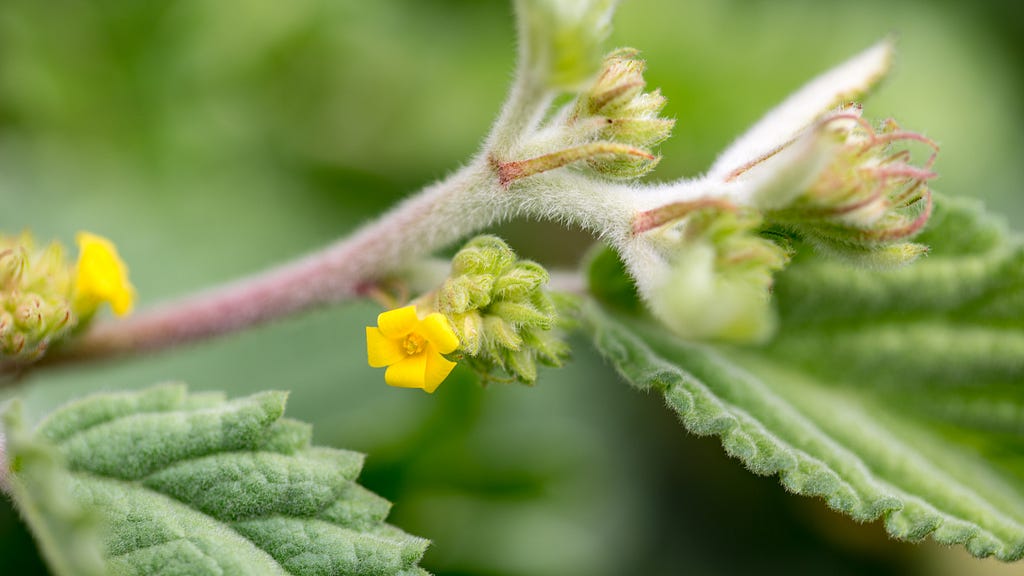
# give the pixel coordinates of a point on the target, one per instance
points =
(892, 395)
(197, 484)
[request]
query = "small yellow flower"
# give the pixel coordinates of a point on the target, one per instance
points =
(101, 276)
(411, 348)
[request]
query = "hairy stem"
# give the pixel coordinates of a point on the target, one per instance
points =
(336, 273)
(5, 483)
(529, 97)
(471, 199)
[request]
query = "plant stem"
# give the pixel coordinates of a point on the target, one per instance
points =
(5, 485)
(468, 201)
(341, 271)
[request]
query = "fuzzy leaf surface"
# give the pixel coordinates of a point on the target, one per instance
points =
(893, 395)
(165, 482)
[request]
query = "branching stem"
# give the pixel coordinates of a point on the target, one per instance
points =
(470, 200)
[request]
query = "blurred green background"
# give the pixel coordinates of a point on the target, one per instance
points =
(211, 139)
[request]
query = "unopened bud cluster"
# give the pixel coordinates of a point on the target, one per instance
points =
(718, 274)
(35, 298)
(870, 199)
(500, 310)
(616, 109)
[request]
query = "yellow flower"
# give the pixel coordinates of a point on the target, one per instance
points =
(101, 276)
(411, 348)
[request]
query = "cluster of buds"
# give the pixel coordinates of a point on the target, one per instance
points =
(708, 269)
(500, 310)
(869, 199)
(43, 298)
(35, 298)
(617, 110)
(704, 259)
(611, 127)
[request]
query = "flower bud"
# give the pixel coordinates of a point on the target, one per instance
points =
(520, 280)
(869, 197)
(483, 255)
(708, 273)
(523, 364)
(520, 314)
(467, 292)
(616, 109)
(643, 132)
(12, 264)
(549, 349)
(35, 298)
(498, 308)
(621, 80)
(501, 334)
(469, 326)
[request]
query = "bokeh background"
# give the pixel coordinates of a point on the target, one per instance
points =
(212, 139)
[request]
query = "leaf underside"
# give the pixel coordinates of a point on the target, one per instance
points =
(195, 484)
(894, 394)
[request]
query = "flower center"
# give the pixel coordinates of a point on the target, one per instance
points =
(414, 344)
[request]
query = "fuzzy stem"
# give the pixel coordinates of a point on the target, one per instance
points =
(346, 269)
(468, 201)
(529, 97)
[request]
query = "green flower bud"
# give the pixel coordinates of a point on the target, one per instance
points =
(520, 314)
(617, 110)
(710, 274)
(468, 292)
(645, 106)
(520, 280)
(469, 327)
(522, 364)
(501, 334)
(644, 132)
(621, 80)
(483, 255)
(550, 350)
(499, 309)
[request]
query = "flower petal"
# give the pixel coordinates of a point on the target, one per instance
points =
(844, 83)
(436, 329)
(382, 351)
(437, 369)
(101, 276)
(408, 373)
(398, 322)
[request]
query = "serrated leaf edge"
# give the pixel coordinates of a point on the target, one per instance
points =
(906, 516)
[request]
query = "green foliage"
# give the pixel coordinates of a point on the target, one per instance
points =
(889, 394)
(67, 534)
(196, 484)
